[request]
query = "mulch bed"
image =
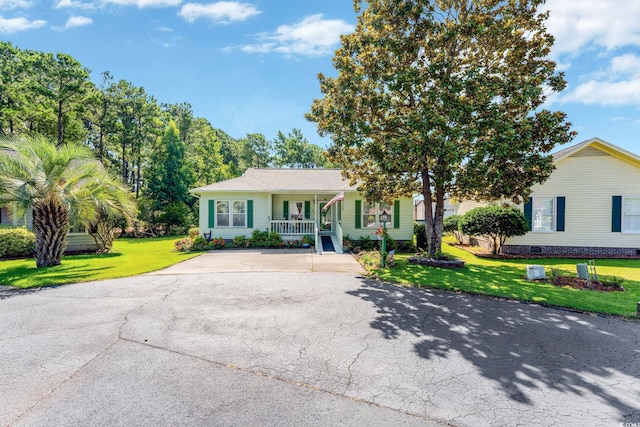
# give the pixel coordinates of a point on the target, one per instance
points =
(577, 283)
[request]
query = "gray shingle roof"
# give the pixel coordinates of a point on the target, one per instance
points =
(282, 180)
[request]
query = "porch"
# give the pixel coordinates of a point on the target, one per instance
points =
(315, 215)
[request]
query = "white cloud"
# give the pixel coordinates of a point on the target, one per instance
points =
(313, 36)
(620, 87)
(14, 4)
(75, 4)
(77, 21)
(164, 29)
(607, 24)
(141, 4)
(221, 12)
(13, 25)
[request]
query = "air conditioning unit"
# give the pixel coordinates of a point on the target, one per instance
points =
(535, 272)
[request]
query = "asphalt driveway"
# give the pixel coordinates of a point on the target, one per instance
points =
(311, 349)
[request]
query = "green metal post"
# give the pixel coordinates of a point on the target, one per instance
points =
(384, 245)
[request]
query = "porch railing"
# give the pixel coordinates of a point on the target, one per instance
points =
(293, 228)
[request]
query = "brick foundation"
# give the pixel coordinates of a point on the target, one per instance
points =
(571, 251)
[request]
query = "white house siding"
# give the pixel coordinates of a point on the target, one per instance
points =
(588, 183)
(260, 214)
(15, 221)
(279, 199)
(4, 217)
(80, 242)
(348, 223)
(588, 180)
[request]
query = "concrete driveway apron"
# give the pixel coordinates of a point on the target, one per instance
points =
(283, 260)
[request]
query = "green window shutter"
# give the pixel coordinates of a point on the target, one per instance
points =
(396, 214)
(307, 209)
(249, 213)
(616, 214)
(560, 206)
(358, 214)
(212, 213)
(528, 212)
(285, 209)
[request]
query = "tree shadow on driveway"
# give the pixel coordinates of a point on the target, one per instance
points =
(523, 348)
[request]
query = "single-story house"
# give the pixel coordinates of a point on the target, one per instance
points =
(589, 206)
(298, 202)
(418, 209)
(77, 241)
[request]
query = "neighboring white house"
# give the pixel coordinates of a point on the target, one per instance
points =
(297, 202)
(589, 206)
(76, 241)
(418, 209)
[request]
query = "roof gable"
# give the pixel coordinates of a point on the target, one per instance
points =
(596, 147)
(282, 180)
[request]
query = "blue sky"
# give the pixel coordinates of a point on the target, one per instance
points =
(252, 66)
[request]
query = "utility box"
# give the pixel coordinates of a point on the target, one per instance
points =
(535, 272)
(583, 271)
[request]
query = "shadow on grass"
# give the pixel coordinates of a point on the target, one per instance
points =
(509, 281)
(520, 347)
(30, 276)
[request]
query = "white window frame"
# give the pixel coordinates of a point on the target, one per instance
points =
(554, 216)
(376, 223)
(623, 215)
(231, 215)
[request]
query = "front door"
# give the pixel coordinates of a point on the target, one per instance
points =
(326, 220)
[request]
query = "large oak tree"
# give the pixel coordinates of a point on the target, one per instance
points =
(443, 98)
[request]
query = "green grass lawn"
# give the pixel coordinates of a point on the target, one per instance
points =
(128, 258)
(507, 279)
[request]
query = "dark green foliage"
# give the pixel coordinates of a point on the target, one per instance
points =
(274, 239)
(445, 99)
(16, 242)
(496, 223)
(421, 237)
(241, 242)
(259, 239)
(170, 176)
(366, 243)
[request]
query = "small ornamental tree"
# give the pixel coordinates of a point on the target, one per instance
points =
(451, 224)
(496, 223)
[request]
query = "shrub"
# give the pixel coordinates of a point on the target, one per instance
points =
(240, 242)
(259, 239)
(200, 244)
(366, 243)
(217, 243)
(184, 245)
(274, 240)
(406, 247)
(16, 242)
(194, 232)
(421, 236)
(451, 225)
(496, 223)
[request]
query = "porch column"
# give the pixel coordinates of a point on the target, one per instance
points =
(270, 211)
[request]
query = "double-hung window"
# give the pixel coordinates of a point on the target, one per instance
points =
(231, 213)
(544, 212)
(631, 214)
(372, 212)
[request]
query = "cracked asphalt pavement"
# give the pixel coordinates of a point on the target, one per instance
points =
(312, 349)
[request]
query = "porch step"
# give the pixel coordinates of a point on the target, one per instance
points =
(327, 244)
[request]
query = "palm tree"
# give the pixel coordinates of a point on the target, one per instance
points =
(59, 186)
